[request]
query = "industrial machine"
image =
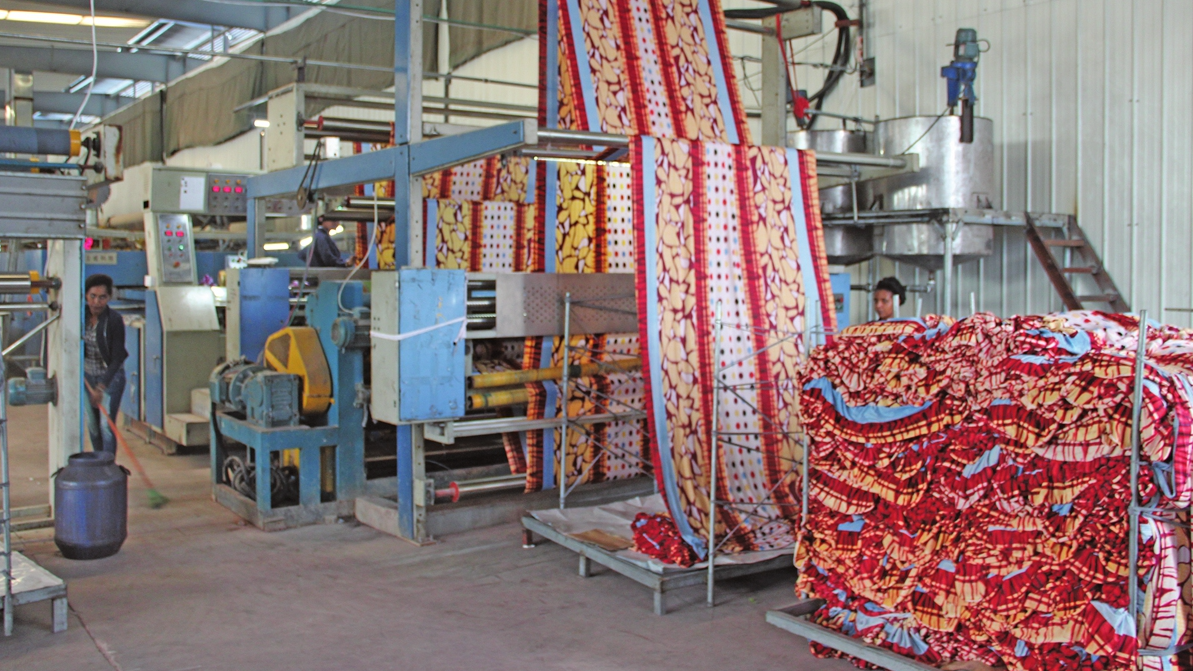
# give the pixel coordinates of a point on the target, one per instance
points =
(284, 450)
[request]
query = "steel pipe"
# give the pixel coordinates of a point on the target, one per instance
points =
(573, 137)
(512, 377)
(869, 160)
(364, 202)
(26, 283)
(28, 307)
(455, 490)
(28, 336)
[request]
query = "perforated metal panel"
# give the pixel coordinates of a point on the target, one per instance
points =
(532, 304)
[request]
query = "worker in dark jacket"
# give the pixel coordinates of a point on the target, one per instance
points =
(323, 250)
(103, 363)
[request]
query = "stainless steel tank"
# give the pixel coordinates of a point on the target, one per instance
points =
(837, 198)
(844, 245)
(951, 174)
(923, 244)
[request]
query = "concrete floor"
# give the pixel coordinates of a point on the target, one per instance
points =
(193, 588)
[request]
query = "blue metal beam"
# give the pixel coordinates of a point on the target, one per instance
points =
(139, 66)
(451, 150)
(50, 102)
(373, 166)
(262, 18)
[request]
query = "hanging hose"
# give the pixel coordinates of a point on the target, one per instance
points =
(840, 62)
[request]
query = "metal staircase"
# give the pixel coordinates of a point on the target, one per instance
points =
(1078, 258)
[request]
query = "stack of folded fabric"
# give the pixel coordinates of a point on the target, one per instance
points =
(969, 488)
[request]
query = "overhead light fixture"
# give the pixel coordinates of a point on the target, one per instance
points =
(261, 123)
(304, 242)
(72, 19)
(276, 246)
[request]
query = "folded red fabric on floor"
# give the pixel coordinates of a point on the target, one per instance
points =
(657, 536)
(969, 486)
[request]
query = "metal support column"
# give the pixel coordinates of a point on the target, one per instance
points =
(716, 439)
(64, 356)
(774, 93)
(1133, 510)
(945, 290)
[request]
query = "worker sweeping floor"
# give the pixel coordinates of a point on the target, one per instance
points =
(192, 588)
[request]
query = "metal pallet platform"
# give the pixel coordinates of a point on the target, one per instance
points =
(32, 583)
(793, 618)
(659, 583)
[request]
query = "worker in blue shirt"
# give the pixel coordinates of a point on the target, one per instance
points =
(324, 253)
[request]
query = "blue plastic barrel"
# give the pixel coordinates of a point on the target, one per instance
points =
(90, 506)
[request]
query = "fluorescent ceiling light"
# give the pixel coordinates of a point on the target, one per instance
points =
(72, 19)
(261, 123)
(276, 246)
(304, 242)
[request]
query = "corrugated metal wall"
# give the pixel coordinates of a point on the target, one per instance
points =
(1092, 102)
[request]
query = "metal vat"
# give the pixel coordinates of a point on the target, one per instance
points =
(837, 198)
(847, 244)
(951, 174)
(844, 245)
(923, 245)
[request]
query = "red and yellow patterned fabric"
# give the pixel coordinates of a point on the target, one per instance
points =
(627, 67)
(727, 225)
(637, 67)
(592, 233)
(969, 485)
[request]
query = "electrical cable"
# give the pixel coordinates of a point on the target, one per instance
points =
(925, 133)
(94, 67)
(840, 60)
(302, 197)
(364, 259)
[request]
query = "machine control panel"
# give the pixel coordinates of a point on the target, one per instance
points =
(227, 194)
(176, 245)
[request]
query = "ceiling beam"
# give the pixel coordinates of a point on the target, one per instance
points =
(263, 18)
(49, 102)
(141, 66)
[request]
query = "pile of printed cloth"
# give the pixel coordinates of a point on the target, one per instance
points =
(969, 490)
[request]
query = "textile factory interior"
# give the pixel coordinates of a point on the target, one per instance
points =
(332, 331)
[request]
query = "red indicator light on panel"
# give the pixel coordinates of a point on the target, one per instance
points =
(215, 189)
(239, 189)
(227, 189)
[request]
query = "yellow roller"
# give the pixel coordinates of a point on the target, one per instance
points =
(496, 398)
(511, 377)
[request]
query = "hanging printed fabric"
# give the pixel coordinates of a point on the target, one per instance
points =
(736, 227)
(592, 233)
(626, 67)
(642, 67)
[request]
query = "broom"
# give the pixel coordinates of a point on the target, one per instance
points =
(156, 500)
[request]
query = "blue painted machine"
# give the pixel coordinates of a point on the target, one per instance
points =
(287, 438)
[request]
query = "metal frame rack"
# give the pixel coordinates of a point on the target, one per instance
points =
(45, 207)
(793, 618)
(660, 583)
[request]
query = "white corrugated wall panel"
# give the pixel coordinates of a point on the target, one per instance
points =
(1091, 102)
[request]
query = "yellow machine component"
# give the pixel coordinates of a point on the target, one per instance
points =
(296, 350)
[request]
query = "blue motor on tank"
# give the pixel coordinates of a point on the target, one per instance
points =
(266, 397)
